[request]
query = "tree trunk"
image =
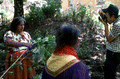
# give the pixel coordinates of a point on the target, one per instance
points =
(18, 8)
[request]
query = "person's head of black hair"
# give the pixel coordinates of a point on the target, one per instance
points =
(16, 21)
(111, 14)
(112, 10)
(67, 35)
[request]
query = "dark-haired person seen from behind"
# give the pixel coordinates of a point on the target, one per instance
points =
(64, 62)
(110, 15)
(18, 42)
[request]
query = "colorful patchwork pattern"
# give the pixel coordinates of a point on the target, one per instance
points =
(62, 69)
(18, 38)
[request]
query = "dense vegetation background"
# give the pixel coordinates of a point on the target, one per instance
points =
(42, 24)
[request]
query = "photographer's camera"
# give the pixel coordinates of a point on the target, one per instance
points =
(102, 17)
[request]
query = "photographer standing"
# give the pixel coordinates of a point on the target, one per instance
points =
(110, 15)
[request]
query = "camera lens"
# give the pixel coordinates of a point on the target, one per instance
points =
(100, 18)
(103, 17)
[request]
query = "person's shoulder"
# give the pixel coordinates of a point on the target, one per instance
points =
(25, 32)
(80, 64)
(80, 67)
(117, 22)
(9, 32)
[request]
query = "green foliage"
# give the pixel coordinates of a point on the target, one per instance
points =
(35, 16)
(37, 34)
(11, 73)
(84, 51)
(51, 8)
(1, 1)
(49, 44)
(4, 15)
(103, 58)
(64, 16)
(78, 13)
(3, 30)
(81, 11)
(3, 45)
(89, 13)
(38, 76)
(30, 69)
(21, 68)
(46, 46)
(3, 54)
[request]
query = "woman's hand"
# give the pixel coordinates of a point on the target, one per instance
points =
(29, 45)
(102, 13)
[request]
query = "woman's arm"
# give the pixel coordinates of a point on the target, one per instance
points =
(12, 43)
(107, 34)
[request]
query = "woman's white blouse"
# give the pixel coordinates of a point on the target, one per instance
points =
(25, 38)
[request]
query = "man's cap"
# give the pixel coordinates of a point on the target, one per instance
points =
(112, 8)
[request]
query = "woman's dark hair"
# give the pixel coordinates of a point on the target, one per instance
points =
(16, 21)
(67, 35)
(111, 13)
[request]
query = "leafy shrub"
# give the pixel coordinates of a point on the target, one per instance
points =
(89, 13)
(38, 76)
(3, 54)
(84, 50)
(81, 11)
(78, 13)
(35, 16)
(46, 46)
(37, 33)
(64, 16)
(3, 29)
(51, 8)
